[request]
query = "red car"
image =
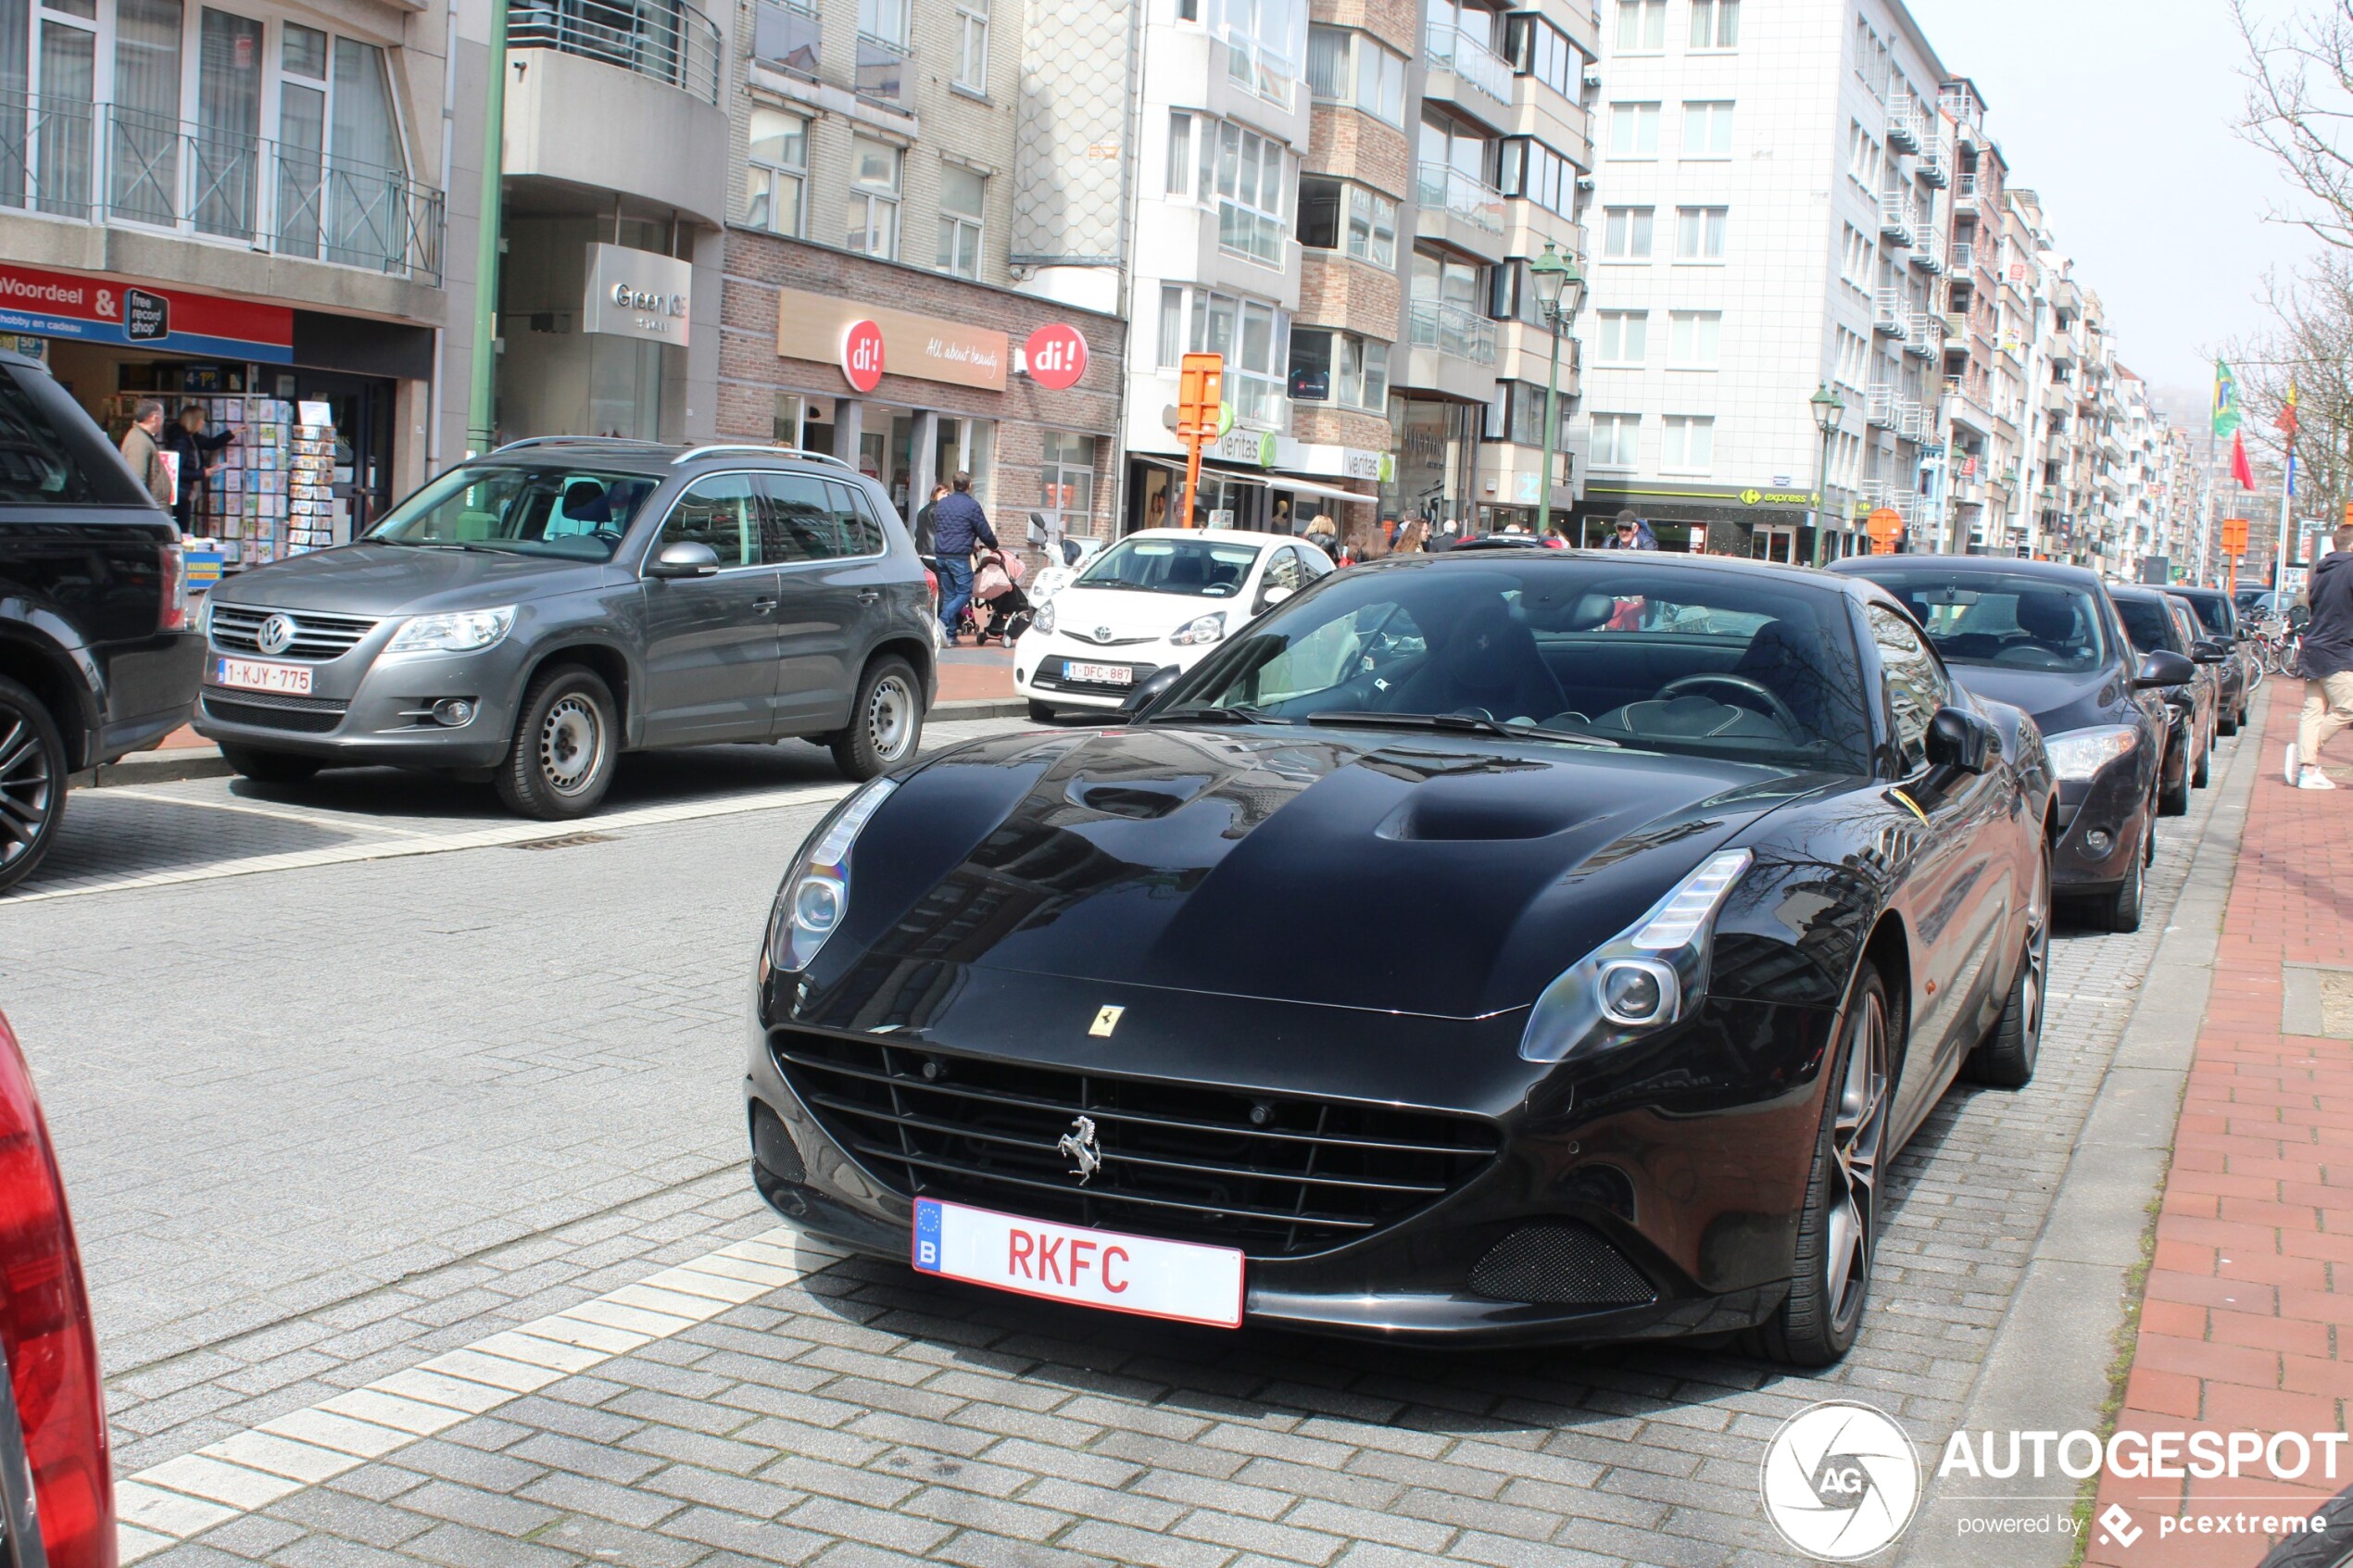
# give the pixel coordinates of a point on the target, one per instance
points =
(55, 1476)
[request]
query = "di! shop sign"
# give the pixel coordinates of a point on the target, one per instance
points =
(99, 310)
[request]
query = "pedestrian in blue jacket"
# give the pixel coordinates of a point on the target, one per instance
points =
(957, 523)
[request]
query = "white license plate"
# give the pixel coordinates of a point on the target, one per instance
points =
(1100, 675)
(292, 680)
(1073, 1263)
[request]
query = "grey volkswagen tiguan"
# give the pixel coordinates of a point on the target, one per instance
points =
(533, 614)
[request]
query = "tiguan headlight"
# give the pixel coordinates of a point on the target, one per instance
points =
(815, 893)
(1647, 977)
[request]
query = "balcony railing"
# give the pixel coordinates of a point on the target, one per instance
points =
(1904, 121)
(1964, 256)
(885, 72)
(1449, 48)
(1896, 216)
(100, 163)
(786, 37)
(1883, 406)
(1465, 196)
(1450, 329)
(669, 41)
(1891, 314)
(1964, 191)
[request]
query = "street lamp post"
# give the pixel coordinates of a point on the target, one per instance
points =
(1560, 293)
(1829, 409)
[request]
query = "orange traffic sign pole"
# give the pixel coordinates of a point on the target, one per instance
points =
(2233, 546)
(1201, 387)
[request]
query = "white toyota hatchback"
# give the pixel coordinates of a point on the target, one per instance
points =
(1160, 598)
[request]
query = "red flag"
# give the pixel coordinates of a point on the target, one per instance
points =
(2240, 468)
(2286, 422)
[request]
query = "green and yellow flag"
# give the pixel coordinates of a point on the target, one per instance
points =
(2226, 399)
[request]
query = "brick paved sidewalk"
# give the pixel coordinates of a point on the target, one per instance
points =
(2243, 1327)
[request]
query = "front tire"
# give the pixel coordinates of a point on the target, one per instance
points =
(2173, 799)
(2205, 773)
(886, 723)
(2005, 1059)
(2120, 910)
(32, 782)
(561, 763)
(1838, 1228)
(270, 767)
(1042, 712)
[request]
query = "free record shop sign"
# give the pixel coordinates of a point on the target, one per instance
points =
(637, 294)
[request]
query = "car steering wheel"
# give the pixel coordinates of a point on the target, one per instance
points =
(1775, 707)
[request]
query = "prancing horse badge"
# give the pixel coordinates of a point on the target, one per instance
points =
(1106, 1020)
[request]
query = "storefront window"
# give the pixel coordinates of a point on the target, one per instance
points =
(874, 198)
(969, 445)
(784, 426)
(1066, 483)
(779, 171)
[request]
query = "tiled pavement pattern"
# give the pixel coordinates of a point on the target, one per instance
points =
(486, 1086)
(2249, 1305)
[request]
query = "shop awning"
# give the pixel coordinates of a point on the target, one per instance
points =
(1272, 479)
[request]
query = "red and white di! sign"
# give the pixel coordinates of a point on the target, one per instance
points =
(862, 354)
(1057, 356)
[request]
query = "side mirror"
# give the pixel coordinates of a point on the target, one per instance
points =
(1149, 690)
(2208, 651)
(1962, 741)
(1272, 596)
(2164, 668)
(686, 558)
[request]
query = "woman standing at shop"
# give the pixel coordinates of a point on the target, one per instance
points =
(198, 455)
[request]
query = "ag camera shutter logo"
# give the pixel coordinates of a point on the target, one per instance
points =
(1839, 1481)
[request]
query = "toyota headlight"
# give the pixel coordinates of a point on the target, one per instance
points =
(1646, 977)
(815, 893)
(464, 631)
(1203, 629)
(2078, 754)
(1044, 620)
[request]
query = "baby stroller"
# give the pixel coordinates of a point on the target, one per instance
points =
(998, 607)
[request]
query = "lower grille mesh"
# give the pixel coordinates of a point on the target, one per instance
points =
(1268, 1173)
(1563, 1265)
(303, 715)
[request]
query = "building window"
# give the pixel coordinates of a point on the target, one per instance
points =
(1694, 337)
(1345, 66)
(1633, 131)
(1699, 233)
(1254, 338)
(1332, 367)
(1171, 327)
(1516, 415)
(1715, 24)
(884, 21)
(972, 44)
(1707, 130)
(1856, 254)
(1180, 155)
(1616, 440)
(1537, 48)
(1625, 338)
(962, 193)
(1320, 205)
(1625, 234)
(779, 170)
(1265, 40)
(1690, 443)
(1067, 477)
(1532, 172)
(1641, 25)
(1372, 227)
(874, 198)
(1248, 177)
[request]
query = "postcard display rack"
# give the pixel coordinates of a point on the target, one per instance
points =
(272, 497)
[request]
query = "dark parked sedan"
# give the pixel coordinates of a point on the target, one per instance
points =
(1504, 945)
(2155, 620)
(2047, 638)
(2236, 676)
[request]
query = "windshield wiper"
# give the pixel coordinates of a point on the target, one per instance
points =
(1468, 723)
(1244, 715)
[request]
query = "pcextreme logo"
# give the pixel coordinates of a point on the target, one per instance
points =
(1839, 1481)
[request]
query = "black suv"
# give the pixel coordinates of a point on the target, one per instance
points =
(96, 658)
(531, 614)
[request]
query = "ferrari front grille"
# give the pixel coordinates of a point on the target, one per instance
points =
(1271, 1174)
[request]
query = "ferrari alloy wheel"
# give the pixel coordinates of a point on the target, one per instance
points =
(2005, 1057)
(32, 782)
(1837, 1229)
(886, 723)
(561, 759)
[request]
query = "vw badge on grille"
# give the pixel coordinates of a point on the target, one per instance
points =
(1078, 1144)
(274, 635)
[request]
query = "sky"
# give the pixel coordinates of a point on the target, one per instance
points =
(2119, 113)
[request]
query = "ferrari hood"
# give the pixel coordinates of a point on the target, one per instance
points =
(1396, 872)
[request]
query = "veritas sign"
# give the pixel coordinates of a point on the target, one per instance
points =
(811, 326)
(637, 294)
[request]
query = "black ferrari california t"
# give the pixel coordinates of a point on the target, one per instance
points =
(1503, 946)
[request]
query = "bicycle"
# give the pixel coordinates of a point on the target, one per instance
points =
(2275, 646)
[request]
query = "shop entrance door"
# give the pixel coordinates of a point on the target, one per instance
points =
(362, 410)
(1773, 541)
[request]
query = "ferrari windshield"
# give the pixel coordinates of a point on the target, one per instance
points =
(1660, 657)
(2018, 622)
(541, 512)
(1208, 567)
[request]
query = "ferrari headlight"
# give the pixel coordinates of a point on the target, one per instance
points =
(465, 631)
(815, 893)
(1647, 977)
(1044, 620)
(2078, 754)
(1201, 630)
